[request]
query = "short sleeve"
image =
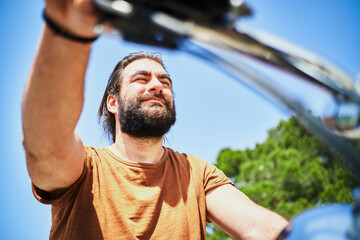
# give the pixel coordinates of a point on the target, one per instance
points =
(46, 197)
(211, 175)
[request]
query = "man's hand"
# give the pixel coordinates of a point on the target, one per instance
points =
(76, 16)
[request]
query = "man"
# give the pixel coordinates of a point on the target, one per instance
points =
(135, 188)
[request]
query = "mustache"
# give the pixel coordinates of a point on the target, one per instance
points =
(144, 96)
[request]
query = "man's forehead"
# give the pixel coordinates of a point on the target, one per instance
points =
(144, 64)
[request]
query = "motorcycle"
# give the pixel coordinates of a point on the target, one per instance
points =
(207, 29)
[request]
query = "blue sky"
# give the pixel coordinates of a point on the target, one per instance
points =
(213, 110)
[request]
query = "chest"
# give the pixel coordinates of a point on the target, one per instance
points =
(149, 203)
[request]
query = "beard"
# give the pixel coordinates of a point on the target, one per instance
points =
(151, 121)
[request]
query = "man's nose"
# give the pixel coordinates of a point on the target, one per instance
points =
(155, 85)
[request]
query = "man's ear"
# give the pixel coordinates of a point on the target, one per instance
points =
(112, 104)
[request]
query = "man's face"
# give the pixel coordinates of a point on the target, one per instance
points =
(146, 104)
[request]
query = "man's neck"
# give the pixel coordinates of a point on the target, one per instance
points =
(144, 150)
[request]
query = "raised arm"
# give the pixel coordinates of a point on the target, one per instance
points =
(53, 97)
(240, 217)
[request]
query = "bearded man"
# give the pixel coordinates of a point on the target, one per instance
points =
(135, 188)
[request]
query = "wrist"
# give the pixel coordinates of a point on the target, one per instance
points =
(64, 33)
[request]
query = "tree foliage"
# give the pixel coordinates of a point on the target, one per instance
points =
(288, 173)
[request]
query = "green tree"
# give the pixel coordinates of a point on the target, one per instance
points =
(288, 173)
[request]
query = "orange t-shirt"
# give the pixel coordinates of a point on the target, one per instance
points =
(118, 199)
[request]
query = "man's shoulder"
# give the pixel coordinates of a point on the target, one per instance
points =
(184, 157)
(96, 154)
(90, 148)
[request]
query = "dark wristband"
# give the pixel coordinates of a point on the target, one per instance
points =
(63, 33)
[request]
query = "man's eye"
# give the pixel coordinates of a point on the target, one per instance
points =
(166, 83)
(140, 80)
